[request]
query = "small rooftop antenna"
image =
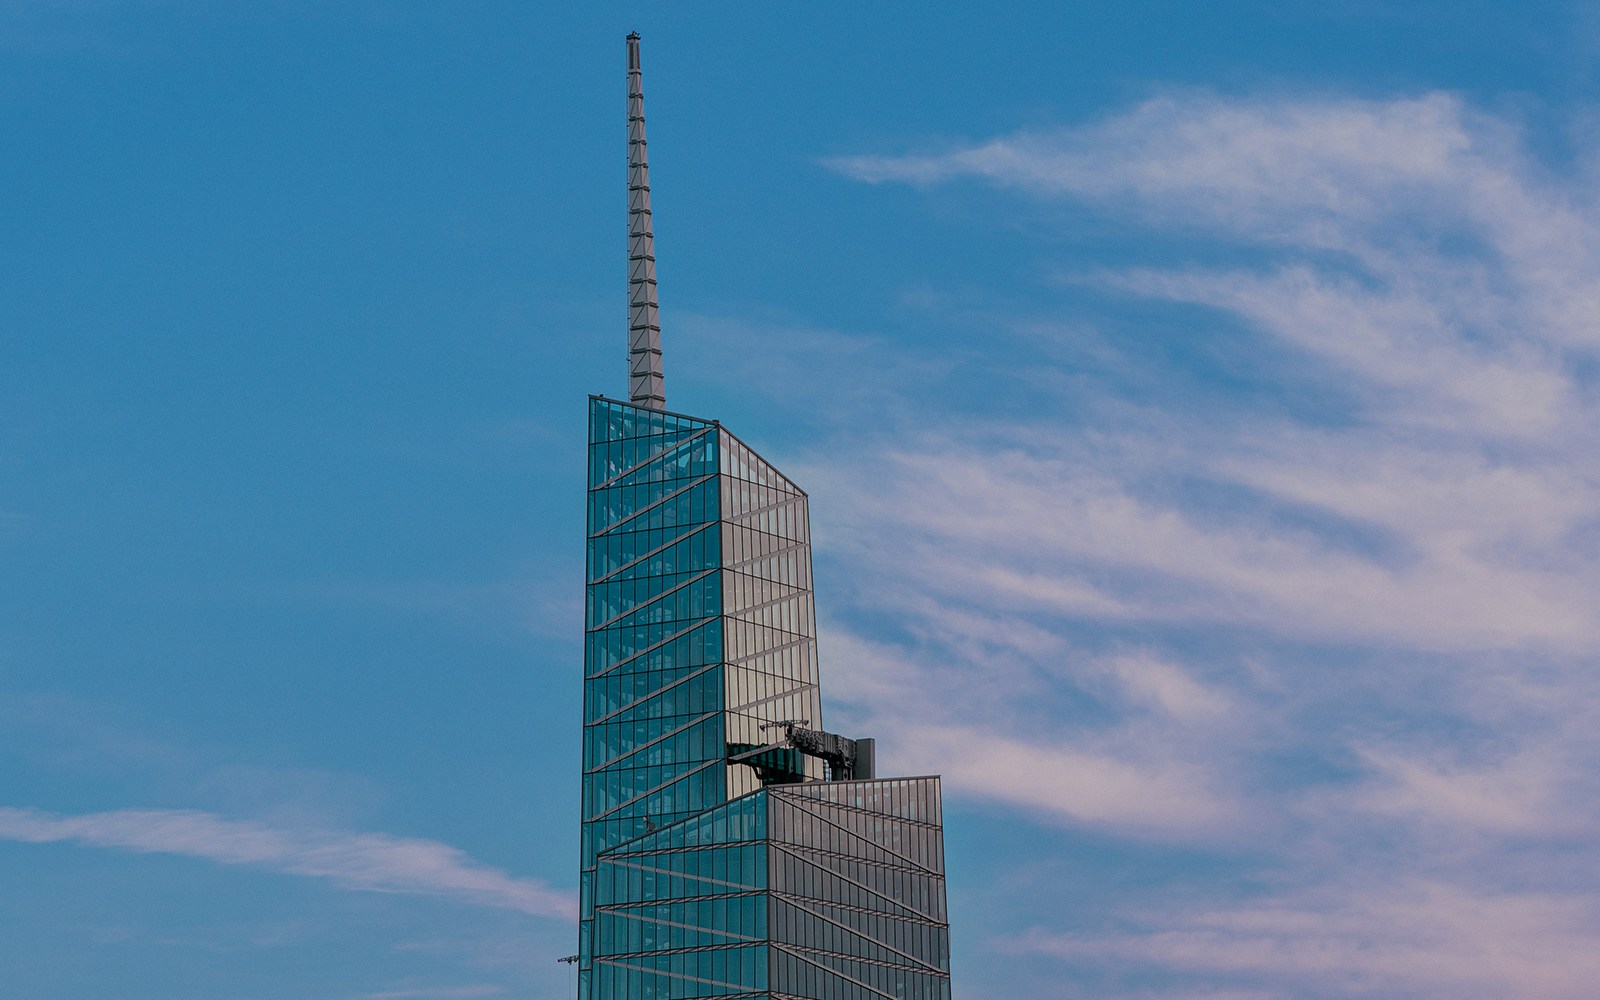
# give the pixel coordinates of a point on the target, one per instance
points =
(646, 382)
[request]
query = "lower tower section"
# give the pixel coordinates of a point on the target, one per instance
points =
(813, 891)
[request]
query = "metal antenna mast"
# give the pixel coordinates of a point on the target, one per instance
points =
(646, 382)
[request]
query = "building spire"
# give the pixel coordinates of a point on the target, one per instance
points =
(645, 378)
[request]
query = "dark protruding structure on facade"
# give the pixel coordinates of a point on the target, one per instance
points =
(646, 380)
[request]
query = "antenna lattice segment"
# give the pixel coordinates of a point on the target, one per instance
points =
(646, 381)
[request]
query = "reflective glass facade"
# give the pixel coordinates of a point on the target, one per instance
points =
(821, 891)
(653, 734)
(700, 831)
(769, 629)
(856, 888)
(683, 912)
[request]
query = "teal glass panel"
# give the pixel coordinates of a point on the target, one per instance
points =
(653, 693)
(682, 912)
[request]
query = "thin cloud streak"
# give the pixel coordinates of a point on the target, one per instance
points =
(1068, 538)
(1133, 775)
(372, 862)
(1414, 938)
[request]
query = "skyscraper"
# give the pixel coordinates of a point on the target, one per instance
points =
(730, 846)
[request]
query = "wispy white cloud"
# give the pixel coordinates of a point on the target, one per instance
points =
(372, 862)
(1166, 687)
(1056, 528)
(1082, 785)
(1460, 313)
(1521, 793)
(1355, 640)
(1473, 462)
(1416, 938)
(994, 726)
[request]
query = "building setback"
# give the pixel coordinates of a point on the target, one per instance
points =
(730, 846)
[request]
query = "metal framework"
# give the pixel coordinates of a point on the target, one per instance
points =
(646, 381)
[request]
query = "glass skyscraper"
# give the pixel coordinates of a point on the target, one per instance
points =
(730, 847)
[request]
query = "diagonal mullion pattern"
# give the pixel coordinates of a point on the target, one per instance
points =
(790, 850)
(787, 693)
(612, 911)
(657, 550)
(613, 715)
(809, 960)
(669, 974)
(612, 762)
(651, 791)
(912, 960)
(632, 657)
(617, 526)
(655, 599)
(655, 458)
(811, 808)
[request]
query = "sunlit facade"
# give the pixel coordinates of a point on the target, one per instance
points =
(718, 860)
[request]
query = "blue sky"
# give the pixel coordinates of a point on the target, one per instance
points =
(1197, 404)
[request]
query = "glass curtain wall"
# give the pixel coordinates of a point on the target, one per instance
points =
(654, 741)
(682, 912)
(858, 892)
(716, 862)
(816, 891)
(770, 629)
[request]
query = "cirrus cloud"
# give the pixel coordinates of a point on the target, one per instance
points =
(374, 862)
(1353, 641)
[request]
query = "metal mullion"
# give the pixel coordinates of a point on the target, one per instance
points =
(645, 510)
(665, 593)
(695, 721)
(768, 555)
(886, 866)
(676, 975)
(798, 591)
(640, 701)
(798, 803)
(864, 936)
(866, 910)
(741, 661)
(651, 648)
(802, 956)
(785, 848)
(792, 796)
(800, 950)
(615, 907)
(788, 486)
(636, 560)
(687, 849)
(771, 697)
(758, 751)
(792, 498)
(649, 791)
(687, 927)
(653, 459)
(745, 889)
